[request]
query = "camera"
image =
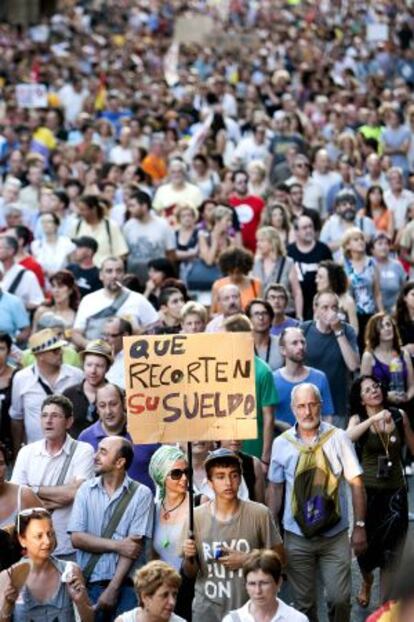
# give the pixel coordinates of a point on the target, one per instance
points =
(384, 467)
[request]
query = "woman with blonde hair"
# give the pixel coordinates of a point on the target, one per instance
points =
(364, 279)
(272, 265)
(348, 145)
(186, 237)
(276, 215)
(258, 181)
(156, 585)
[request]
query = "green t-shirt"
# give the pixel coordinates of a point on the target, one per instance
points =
(69, 357)
(266, 395)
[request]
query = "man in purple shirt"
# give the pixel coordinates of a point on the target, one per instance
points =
(110, 405)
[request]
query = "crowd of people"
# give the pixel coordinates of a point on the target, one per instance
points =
(260, 179)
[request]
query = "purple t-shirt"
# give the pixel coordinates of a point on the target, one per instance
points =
(290, 322)
(142, 453)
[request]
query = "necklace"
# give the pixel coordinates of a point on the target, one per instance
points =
(166, 540)
(167, 513)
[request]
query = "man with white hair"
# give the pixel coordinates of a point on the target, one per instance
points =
(316, 531)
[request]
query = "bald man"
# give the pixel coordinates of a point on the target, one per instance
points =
(229, 301)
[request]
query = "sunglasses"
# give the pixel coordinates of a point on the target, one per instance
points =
(177, 474)
(32, 512)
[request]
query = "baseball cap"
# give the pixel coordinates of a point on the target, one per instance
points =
(221, 454)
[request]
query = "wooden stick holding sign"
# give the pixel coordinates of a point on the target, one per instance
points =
(190, 387)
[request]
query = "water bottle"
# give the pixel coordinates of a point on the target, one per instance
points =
(397, 382)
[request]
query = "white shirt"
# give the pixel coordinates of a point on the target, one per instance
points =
(121, 155)
(313, 197)
(284, 613)
(136, 305)
(166, 196)
(116, 373)
(28, 396)
(72, 101)
(28, 290)
(35, 466)
(399, 205)
(53, 257)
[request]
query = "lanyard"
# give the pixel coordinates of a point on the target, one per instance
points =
(269, 345)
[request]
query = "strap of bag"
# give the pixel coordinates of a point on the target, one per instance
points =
(111, 526)
(43, 384)
(66, 464)
(109, 234)
(281, 268)
(16, 281)
(113, 307)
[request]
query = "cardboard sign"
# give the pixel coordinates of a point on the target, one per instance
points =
(31, 95)
(194, 28)
(190, 387)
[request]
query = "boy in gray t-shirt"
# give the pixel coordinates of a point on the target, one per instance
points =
(225, 531)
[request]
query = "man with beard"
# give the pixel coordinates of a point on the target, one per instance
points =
(344, 218)
(108, 563)
(229, 301)
(292, 346)
(112, 300)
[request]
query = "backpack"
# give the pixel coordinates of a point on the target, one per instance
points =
(315, 496)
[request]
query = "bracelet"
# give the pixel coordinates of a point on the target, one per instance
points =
(264, 462)
(339, 333)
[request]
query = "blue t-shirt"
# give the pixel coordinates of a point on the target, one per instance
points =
(284, 389)
(13, 315)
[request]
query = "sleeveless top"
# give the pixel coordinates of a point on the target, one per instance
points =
(280, 274)
(59, 608)
(9, 520)
(362, 286)
(381, 371)
(165, 538)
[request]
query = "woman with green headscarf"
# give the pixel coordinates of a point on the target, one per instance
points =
(168, 469)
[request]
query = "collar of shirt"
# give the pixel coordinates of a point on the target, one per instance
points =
(323, 427)
(42, 450)
(97, 483)
(282, 614)
(63, 373)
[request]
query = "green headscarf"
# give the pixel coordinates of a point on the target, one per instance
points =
(161, 463)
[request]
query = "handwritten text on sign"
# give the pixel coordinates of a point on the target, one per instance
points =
(190, 387)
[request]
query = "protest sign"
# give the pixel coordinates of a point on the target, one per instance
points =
(190, 387)
(193, 28)
(31, 95)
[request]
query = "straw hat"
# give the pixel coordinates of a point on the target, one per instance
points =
(99, 347)
(45, 340)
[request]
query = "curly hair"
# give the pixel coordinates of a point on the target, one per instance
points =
(150, 577)
(338, 280)
(236, 258)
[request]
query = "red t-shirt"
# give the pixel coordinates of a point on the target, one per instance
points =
(31, 264)
(248, 210)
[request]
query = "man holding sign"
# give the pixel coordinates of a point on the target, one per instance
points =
(225, 531)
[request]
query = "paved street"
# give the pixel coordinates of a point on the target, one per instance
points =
(359, 614)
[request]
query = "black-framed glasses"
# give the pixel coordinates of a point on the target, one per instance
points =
(177, 474)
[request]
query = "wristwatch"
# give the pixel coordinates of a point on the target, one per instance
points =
(339, 333)
(359, 523)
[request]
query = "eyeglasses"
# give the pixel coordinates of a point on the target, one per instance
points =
(259, 584)
(177, 474)
(260, 313)
(370, 389)
(32, 512)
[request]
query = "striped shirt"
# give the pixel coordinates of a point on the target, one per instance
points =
(92, 511)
